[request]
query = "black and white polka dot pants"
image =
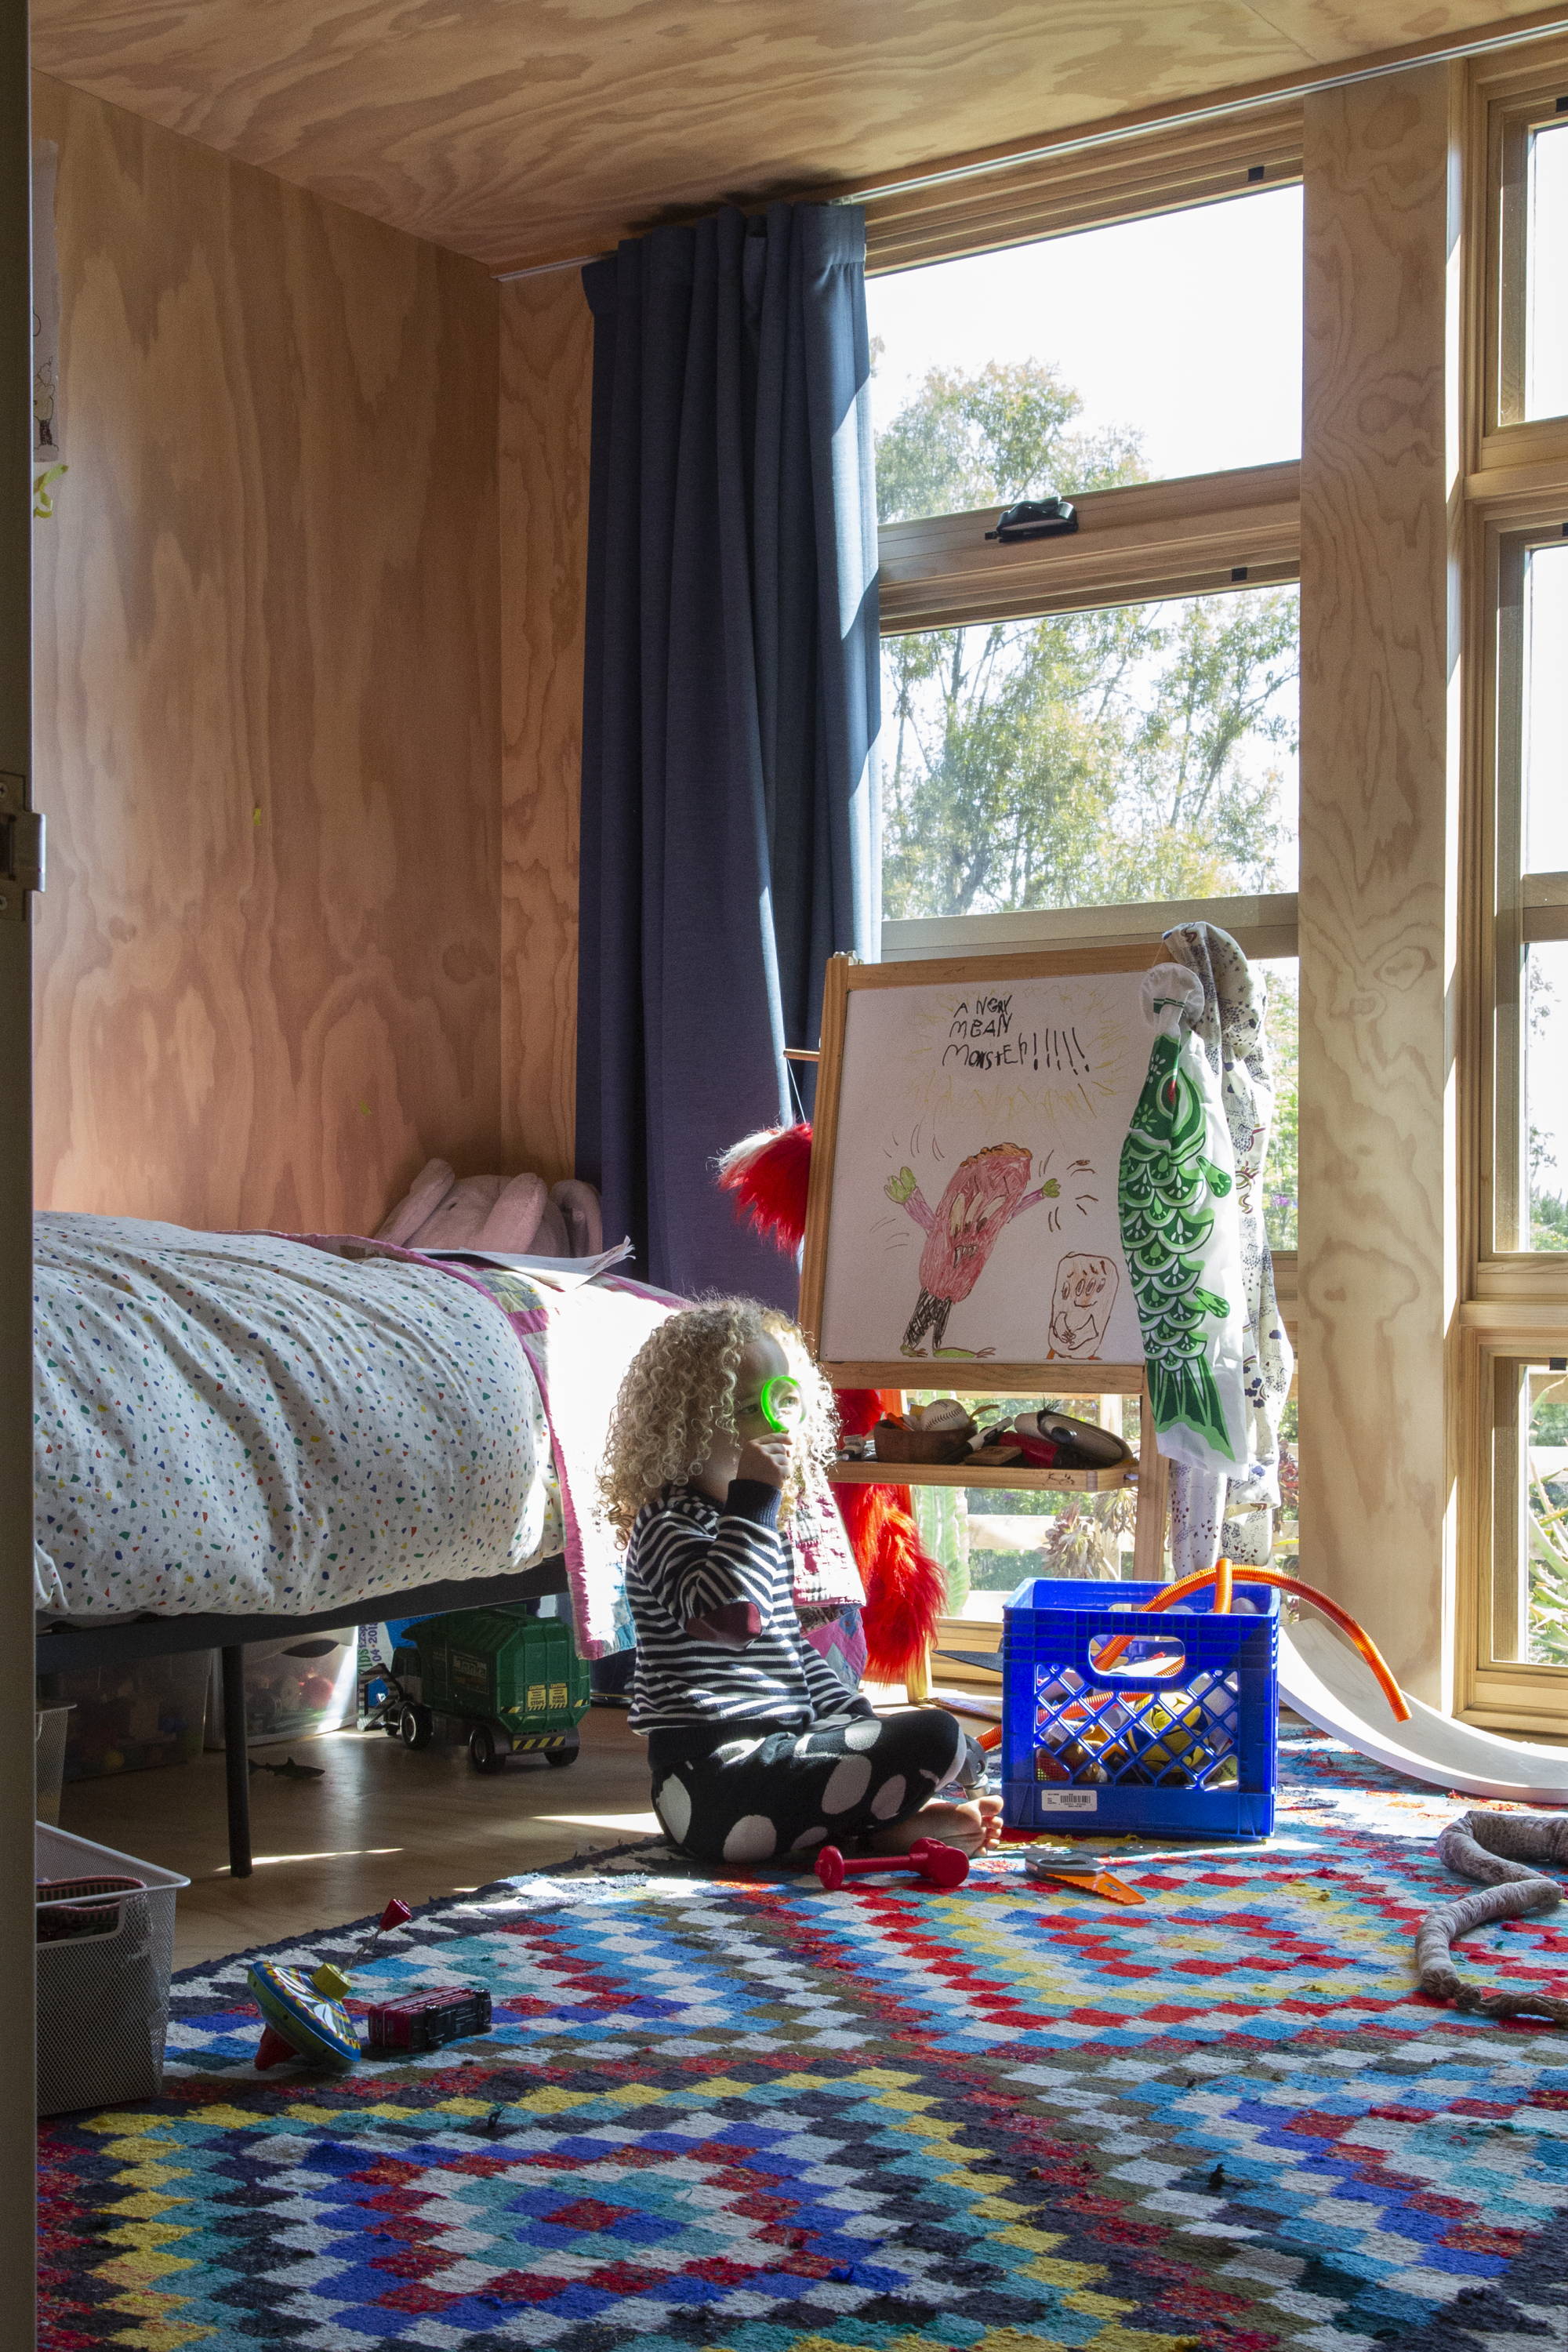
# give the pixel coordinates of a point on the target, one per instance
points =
(761, 1793)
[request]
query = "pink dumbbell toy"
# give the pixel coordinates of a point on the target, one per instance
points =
(929, 1859)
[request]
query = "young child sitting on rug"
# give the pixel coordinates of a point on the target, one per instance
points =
(757, 1746)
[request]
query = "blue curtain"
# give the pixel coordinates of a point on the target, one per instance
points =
(730, 800)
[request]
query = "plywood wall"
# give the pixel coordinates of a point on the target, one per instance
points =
(267, 697)
(546, 382)
(1376, 1264)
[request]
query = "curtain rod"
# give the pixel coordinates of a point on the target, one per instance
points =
(1280, 91)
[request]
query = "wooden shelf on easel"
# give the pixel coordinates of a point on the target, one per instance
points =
(1008, 1477)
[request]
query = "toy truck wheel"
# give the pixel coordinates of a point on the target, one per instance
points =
(565, 1754)
(485, 1753)
(415, 1726)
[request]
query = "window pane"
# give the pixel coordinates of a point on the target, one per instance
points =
(1529, 1599)
(1546, 1516)
(1092, 759)
(1543, 744)
(1137, 352)
(1279, 1171)
(1546, 276)
(1546, 1092)
(989, 1538)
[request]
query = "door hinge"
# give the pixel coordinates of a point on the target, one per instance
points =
(21, 849)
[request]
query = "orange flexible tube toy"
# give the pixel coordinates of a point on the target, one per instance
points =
(1221, 1578)
(1172, 1593)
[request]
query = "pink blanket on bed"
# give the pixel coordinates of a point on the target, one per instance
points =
(579, 1344)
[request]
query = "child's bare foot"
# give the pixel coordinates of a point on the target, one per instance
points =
(972, 1827)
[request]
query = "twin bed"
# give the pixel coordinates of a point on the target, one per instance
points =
(243, 1436)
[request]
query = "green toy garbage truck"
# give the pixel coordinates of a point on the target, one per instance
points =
(511, 1682)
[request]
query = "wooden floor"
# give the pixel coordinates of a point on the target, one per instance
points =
(383, 1821)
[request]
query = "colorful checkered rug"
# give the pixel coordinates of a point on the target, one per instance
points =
(763, 2118)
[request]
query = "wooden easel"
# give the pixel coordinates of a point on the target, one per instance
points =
(1051, 1376)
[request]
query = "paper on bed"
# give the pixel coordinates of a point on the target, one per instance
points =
(561, 1273)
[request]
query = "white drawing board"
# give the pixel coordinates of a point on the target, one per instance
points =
(965, 1211)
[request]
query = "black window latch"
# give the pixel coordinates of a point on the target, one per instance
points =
(1035, 518)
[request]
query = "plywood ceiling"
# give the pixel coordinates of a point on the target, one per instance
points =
(531, 130)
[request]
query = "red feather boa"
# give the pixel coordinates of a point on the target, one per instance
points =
(769, 1177)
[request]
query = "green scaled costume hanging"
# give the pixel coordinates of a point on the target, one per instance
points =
(1180, 1237)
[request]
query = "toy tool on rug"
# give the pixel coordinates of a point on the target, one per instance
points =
(932, 1860)
(1087, 1876)
(1498, 1849)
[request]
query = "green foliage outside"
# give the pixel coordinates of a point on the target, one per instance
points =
(1548, 1220)
(1084, 759)
(1544, 1056)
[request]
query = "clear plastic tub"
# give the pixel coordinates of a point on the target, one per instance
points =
(294, 1688)
(129, 1717)
(103, 1995)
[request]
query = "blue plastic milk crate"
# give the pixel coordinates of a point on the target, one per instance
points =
(1176, 1737)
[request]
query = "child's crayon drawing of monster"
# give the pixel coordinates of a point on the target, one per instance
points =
(987, 1191)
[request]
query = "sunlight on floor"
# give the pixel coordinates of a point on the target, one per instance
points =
(340, 1853)
(629, 1824)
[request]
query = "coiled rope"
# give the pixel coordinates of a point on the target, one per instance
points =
(1497, 1849)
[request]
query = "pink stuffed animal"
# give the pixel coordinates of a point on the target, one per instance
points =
(442, 1210)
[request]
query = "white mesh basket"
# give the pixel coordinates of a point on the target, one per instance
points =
(103, 1994)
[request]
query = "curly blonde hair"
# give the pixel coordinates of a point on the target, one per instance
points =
(677, 1400)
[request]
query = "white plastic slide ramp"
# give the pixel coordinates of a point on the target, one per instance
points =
(1332, 1686)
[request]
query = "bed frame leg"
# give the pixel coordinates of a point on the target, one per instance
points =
(236, 1760)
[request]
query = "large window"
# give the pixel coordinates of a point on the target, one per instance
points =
(1048, 748)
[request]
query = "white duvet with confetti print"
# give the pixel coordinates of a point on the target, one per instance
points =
(240, 1422)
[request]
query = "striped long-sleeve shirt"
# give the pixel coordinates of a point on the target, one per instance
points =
(709, 1587)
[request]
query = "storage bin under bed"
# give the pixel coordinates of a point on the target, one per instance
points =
(1175, 1737)
(104, 1973)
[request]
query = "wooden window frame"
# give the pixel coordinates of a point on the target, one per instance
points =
(1511, 95)
(1146, 543)
(1186, 535)
(1510, 910)
(1170, 169)
(1499, 1693)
